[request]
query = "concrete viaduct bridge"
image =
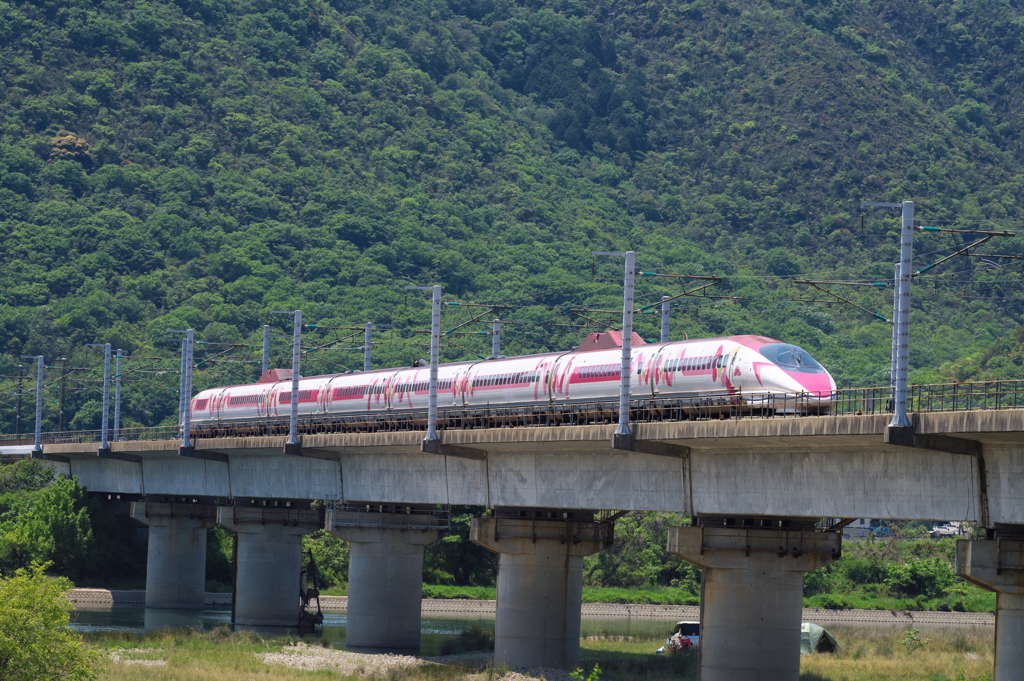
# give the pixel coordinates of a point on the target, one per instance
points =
(757, 490)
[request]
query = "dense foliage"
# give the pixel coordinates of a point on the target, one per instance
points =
(57, 524)
(905, 572)
(197, 163)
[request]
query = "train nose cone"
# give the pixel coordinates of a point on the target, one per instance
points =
(815, 383)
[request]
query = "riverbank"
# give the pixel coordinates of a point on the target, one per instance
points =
(101, 598)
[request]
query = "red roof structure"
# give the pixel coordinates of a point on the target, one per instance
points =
(608, 340)
(275, 376)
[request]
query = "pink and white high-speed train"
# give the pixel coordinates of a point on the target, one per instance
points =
(734, 373)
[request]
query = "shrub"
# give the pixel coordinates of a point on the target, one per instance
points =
(35, 640)
(929, 577)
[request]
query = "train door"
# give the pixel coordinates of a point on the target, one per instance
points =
(542, 387)
(643, 360)
(561, 370)
(656, 367)
(217, 405)
(457, 396)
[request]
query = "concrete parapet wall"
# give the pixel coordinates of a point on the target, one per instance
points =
(107, 475)
(837, 481)
(184, 476)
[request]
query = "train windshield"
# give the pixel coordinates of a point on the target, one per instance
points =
(791, 358)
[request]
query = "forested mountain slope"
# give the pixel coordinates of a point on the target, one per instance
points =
(200, 163)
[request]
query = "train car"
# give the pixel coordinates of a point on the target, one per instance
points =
(508, 382)
(410, 389)
(735, 373)
(359, 393)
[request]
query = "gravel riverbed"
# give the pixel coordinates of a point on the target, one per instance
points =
(302, 656)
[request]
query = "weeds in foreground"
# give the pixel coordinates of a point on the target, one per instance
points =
(593, 675)
(869, 653)
(912, 642)
(892, 654)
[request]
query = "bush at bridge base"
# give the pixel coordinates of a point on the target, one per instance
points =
(35, 640)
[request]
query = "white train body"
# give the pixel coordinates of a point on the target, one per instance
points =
(746, 371)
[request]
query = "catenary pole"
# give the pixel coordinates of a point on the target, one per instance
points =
(623, 438)
(265, 362)
(117, 396)
(181, 381)
(188, 344)
(63, 392)
(432, 441)
(495, 339)
(900, 418)
(367, 346)
(105, 424)
(21, 389)
(435, 351)
(186, 420)
(627, 345)
(901, 311)
(666, 308)
(37, 447)
(104, 443)
(293, 444)
(895, 333)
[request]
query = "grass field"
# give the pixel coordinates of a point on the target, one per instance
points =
(867, 654)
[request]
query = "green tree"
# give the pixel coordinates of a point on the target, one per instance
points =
(929, 577)
(55, 527)
(331, 556)
(28, 475)
(455, 560)
(638, 559)
(36, 643)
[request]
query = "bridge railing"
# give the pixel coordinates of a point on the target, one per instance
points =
(860, 400)
(967, 396)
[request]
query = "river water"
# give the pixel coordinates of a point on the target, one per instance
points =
(436, 629)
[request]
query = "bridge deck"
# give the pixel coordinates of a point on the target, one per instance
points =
(989, 426)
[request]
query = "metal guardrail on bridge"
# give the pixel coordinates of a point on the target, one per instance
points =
(875, 399)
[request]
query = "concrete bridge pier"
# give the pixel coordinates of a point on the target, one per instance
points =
(176, 557)
(269, 561)
(385, 574)
(540, 582)
(752, 598)
(998, 565)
